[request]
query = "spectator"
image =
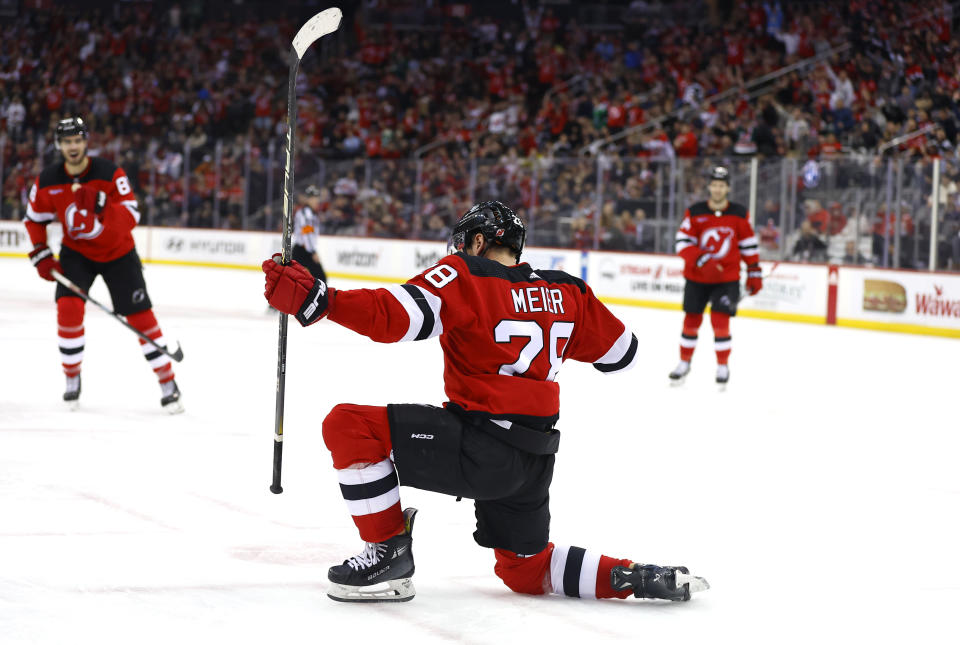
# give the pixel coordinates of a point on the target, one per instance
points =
(851, 255)
(769, 236)
(809, 247)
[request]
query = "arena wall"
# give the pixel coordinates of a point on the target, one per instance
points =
(903, 301)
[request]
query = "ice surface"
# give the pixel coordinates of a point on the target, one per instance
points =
(818, 494)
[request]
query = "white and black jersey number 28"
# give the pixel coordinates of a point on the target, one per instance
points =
(507, 330)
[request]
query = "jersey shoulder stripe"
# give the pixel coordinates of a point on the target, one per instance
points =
(100, 168)
(699, 208)
(736, 209)
(56, 174)
(53, 175)
(733, 208)
(520, 273)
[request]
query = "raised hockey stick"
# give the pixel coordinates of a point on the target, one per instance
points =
(59, 277)
(325, 22)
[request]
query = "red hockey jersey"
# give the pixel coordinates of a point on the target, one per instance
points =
(504, 331)
(725, 234)
(99, 237)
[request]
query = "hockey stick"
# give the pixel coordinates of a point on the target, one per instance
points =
(325, 22)
(59, 277)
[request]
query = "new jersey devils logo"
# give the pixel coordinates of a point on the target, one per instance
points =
(82, 225)
(717, 240)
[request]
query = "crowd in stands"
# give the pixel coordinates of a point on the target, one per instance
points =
(404, 127)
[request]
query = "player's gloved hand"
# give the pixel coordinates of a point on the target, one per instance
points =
(291, 289)
(42, 258)
(90, 199)
(708, 266)
(754, 279)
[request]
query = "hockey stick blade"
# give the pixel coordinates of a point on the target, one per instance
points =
(325, 22)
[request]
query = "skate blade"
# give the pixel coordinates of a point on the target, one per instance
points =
(175, 407)
(696, 583)
(73, 406)
(400, 590)
(677, 382)
(721, 387)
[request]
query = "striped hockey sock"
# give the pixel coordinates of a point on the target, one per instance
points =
(688, 339)
(70, 334)
(146, 323)
(581, 573)
(372, 494)
(721, 336)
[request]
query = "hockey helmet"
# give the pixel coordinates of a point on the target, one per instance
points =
(495, 221)
(720, 173)
(312, 191)
(70, 127)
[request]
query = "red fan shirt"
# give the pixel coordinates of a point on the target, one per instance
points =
(504, 330)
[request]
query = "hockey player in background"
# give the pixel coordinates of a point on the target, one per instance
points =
(714, 237)
(94, 202)
(306, 226)
(504, 329)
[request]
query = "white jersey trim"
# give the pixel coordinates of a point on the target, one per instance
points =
(621, 357)
(132, 206)
(423, 310)
(40, 218)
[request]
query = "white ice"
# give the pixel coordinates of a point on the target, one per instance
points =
(819, 494)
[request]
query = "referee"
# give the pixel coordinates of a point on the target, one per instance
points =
(306, 225)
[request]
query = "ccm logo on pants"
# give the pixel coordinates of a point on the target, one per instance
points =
(421, 436)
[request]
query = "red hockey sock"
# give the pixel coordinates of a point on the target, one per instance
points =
(70, 332)
(721, 336)
(524, 574)
(583, 573)
(372, 494)
(146, 323)
(688, 339)
(358, 437)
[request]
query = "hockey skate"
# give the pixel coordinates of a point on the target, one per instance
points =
(652, 581)
(679, 373)
(72, 394)
(382, 573)
(723, 375)
(171, 397)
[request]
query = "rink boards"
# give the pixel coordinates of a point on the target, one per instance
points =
(906, 301)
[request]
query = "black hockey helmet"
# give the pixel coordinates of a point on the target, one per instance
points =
(70, 127)
(720, 173)
(495, 221)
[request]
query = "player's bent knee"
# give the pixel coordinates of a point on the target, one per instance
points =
(356, 433)
(70, 309)
(530, 574)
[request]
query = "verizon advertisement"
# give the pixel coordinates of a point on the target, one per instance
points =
(904, 297)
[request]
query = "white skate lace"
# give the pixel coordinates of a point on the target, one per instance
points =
(370, 556)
